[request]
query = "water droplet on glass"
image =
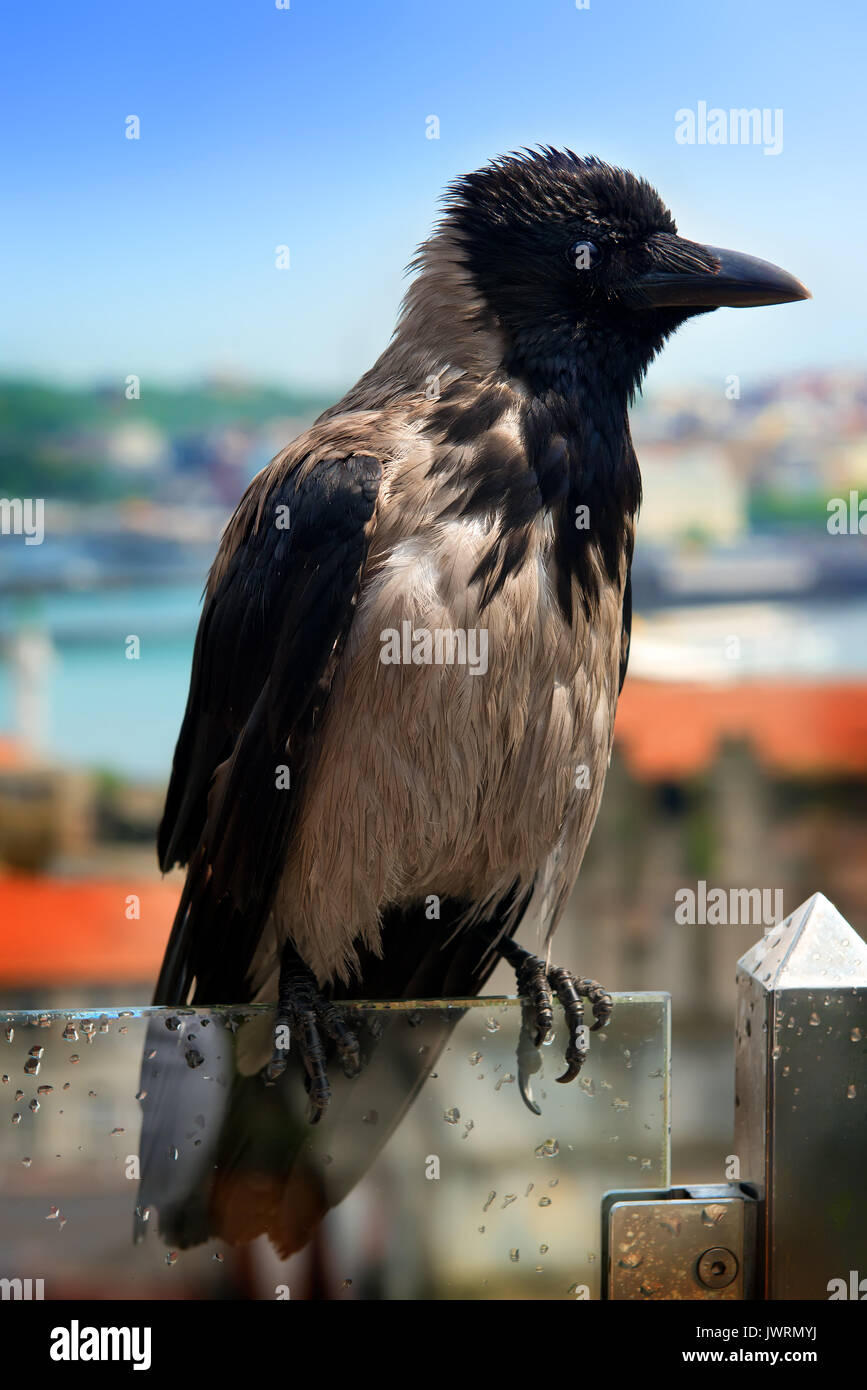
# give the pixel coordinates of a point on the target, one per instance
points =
(620, 1104)
(347, 1284)
(53, 1213)
(9, 1033)
(218, 1257)
(855, 1035)
(509, 1198)
(814, 1020)
(173, 1024)
(140, 1095)
(630, 1261)
(492, 1025)
(491, 1196)
(452, 1116)
(119, 1130)
(481, 1230)
(193, 1057)
(549, 1149)
(34, 1105)
(172, 1257)
(370, 1118)
(850, 1092)
(27, 1162)
(504, 1080)
(44, 1090)
(514, 1256)
(543, 1249)
(16, 1119)
(474, 1058)
(544, 1201)
(74, 1059)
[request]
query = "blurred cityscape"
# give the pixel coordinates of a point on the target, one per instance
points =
(741, 740)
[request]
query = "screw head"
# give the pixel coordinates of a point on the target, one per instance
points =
(717, 1267)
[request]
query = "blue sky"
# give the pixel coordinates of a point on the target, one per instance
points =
(306, 126)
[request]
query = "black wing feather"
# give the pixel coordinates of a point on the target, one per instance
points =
(262, 666)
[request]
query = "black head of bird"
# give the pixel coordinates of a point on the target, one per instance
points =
(581, 262)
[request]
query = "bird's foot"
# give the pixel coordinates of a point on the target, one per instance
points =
(304, 1015)
(537, 985)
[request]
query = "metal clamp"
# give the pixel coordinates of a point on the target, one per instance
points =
(681, 1243)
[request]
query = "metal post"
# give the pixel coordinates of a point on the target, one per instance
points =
(801, 1102)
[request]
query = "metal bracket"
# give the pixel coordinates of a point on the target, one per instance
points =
(800, 1091)
(681, 1243)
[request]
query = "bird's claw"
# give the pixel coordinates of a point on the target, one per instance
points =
(532, 980)
(571, 993)
(529, 1056)
(303, 1016)
(537, 984)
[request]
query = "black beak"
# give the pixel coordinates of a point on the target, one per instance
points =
(690, 276)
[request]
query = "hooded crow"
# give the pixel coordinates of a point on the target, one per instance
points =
(417, 626)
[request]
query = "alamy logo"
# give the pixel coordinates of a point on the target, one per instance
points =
(744, 907)
(739, 126)
(75, 1343)
(440, 646)
(848, 517)
(23, 516)
(856, 1288)
(24, 1289)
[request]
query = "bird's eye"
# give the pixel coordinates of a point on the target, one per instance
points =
(585, 254)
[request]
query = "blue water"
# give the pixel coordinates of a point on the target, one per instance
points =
(104, 710)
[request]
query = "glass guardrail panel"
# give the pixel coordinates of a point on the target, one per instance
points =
(143, 1156)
